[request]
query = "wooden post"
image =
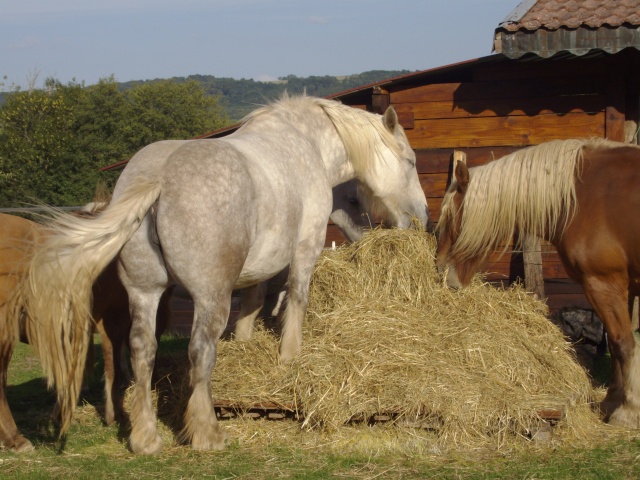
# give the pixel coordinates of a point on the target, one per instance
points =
(615, 109)
(532, 256)
(380, 100)
(459, 156)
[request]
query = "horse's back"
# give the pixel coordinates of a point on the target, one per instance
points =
(608, 188)
(17, 239)
(148, 162)
(606, 226)
(223, 197)
(14, 228)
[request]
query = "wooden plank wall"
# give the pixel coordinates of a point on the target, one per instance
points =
(497, 111)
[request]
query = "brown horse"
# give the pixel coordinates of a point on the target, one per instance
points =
(15, 233)
(581, 195)
(110, 311)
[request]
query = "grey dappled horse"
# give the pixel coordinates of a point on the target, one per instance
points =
(214, 215)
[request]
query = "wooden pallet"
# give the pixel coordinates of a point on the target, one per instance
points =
(227, 409)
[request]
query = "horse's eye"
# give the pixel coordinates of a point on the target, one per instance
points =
(353, 201)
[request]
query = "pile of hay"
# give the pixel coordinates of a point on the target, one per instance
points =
(384, 336)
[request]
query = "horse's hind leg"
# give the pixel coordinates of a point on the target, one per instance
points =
(10, 437)
(211, 312)
(251, 302)
(142, 340)
(145, 278)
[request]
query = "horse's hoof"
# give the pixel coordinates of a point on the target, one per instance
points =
(625, 417)
(242, 336)
(215, 439)
(288, 353)
(21, 445)
(150, 447)
(109, 418)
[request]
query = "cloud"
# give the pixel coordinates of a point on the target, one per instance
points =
(318, 20)
(265, 77)
(25, 43)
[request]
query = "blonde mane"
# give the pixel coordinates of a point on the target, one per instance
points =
(361, 132)
(532, 190)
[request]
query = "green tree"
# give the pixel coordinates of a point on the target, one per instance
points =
(102, 116)
(54, 141)
(36, 129)
(171, 110)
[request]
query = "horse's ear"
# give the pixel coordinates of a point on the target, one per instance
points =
(462, 176)
(390, 118)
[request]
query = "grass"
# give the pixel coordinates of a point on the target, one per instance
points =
(263, 449)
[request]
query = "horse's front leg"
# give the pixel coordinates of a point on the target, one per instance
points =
(608, 296)
(211, 313)
(297, 298)
(114, 331)
(142, 340)
(10, 437)
(251, 302)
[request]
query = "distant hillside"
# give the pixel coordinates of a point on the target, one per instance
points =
(242, 96)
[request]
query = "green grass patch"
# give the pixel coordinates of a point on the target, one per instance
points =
(262, 449)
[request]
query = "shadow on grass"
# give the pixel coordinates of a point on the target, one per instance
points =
(171, 381)
(32, 404)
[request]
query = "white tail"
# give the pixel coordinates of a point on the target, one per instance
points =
(58, 292)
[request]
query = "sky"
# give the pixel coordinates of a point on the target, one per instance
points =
(86, 40)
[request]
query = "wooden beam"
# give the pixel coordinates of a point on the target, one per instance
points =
(500, 90)
(503, 107)
(380, 100)
(615, 109)
(504, 131)
(532, 258)
(459, 156)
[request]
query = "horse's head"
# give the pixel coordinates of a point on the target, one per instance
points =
(391, 188)
(349, 214)
(459, 268)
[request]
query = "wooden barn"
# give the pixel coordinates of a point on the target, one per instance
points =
(562, 69)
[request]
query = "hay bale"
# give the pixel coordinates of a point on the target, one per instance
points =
(384, 335)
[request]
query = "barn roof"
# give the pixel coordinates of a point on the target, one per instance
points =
(548, 27)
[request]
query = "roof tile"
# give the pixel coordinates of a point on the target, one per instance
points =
(556, 14)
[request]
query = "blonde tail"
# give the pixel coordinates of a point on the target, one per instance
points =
(57, 293)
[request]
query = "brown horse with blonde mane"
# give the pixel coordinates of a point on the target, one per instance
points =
(16, 232)
(110, 311)
(581, 195)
